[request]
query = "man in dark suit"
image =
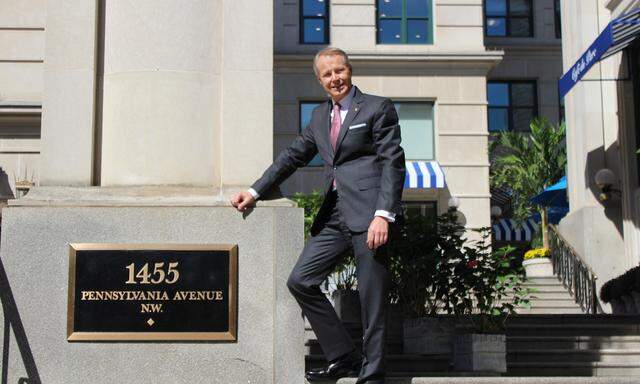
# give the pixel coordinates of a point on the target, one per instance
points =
(358, 138)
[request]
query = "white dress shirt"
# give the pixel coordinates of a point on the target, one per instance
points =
(345, 104)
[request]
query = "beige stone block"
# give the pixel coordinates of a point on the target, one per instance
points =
(400, 86)
(247, 126)
(352, 15)
(67, 128)
(475, 211)
(368, 84)
(459, 2)
(289, 14)
(463, 149)
(20, 145)
(248, 35)
(160, 128)
(459, 38)
(169, 35)
(21, 82)
(21, 45)
(71, 35)
(459, 15)
(354, 38)
(440, 87)
(461, 118)
(23, 13)
(463, 180)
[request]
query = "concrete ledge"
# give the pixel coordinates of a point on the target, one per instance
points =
(499, 380)
(172, 196)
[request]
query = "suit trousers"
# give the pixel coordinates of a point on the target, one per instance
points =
(321, 254)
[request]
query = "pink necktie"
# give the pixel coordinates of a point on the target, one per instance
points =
(335, 130)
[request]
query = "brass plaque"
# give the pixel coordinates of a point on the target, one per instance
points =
(156, 292)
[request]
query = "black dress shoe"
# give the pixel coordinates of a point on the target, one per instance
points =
(347, 367)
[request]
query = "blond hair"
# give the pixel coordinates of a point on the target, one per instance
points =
(331, 51)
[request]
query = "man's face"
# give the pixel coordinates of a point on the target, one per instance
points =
(334, 75)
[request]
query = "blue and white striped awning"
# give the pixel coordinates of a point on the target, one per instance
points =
(511, 230)
(424, 174)
(616, 36)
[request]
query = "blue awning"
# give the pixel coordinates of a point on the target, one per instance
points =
(553, 196)
(424, 174)
(511, 230)
(616, 36)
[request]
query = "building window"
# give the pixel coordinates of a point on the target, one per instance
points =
(427, 209)
(306, 109)
(556, 11)
(512, 105)
(405, 22)
(416, 128)
(314, 21)
(508, 18)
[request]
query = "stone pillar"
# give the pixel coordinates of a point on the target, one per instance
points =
(68, 106)
(162, 92)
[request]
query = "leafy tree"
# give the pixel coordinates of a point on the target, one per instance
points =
(527, 163)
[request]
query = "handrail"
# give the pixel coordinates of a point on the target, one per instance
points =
(574, 273)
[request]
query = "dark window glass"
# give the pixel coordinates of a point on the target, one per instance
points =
(508, 18)
(314, 22)
(390, 8)
(556, 11)
(390, 31)
(496, 26)
(496, 7)
(512, 105)
(404, 22)
(306, 109)
(426, 209)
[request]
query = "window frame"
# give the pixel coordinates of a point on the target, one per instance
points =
(506, 18)
(510, 108)
(404, 21)
(433, 122)
(300, 128)
(302, 18)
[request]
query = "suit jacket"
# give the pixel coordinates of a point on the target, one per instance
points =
(368, 164)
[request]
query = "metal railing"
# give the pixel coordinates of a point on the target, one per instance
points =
(574, 273)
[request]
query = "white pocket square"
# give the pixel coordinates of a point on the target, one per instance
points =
(357, 126)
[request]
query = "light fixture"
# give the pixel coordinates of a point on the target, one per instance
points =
(605, 179)
(453, 202)
(496, 211)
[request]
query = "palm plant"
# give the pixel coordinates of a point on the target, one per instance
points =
(526, 163)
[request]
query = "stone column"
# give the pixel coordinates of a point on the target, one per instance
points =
(161, 99)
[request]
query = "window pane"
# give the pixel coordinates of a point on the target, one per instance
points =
(306, 108)
(496, 26)
(496, 7)
(498, 94)
(519, 7)
(520, 27)
(521, 119)
(417, 31)
(498, 119)
(416, 128)
(313, 31)
(417, 8)
(522, 95)
(313, 8)
(389, 32)
(390, 8)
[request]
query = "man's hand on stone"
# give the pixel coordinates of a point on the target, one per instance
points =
(242, 200)
(378, 233)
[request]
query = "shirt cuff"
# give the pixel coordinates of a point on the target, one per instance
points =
(254, 193)
(390, 217)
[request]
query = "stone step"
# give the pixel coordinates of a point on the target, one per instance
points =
(406, 363)
(566, 355)
(516, 343)
(452, 378)
(574, 369)
(552, 295)
(543, 308)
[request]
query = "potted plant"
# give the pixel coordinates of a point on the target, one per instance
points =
(537, 263)
(488, 290)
